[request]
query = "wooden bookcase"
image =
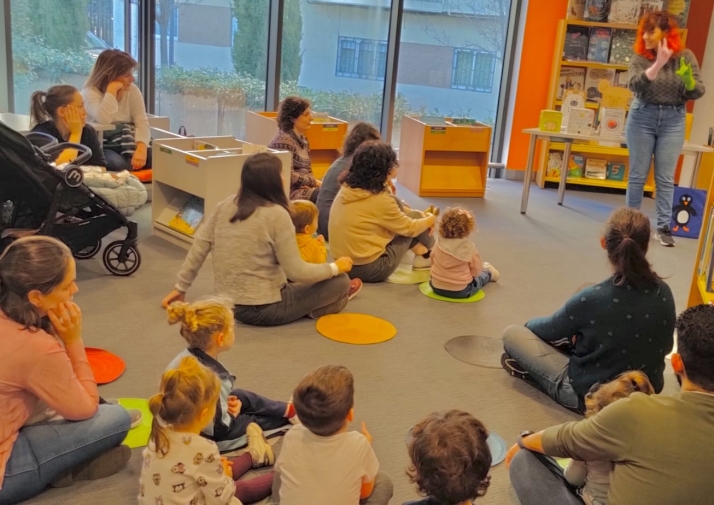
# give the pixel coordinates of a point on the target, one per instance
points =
(617, 154)
(325, 138)
(444, 160)
(207, 167)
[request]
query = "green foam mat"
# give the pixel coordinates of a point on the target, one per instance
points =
(139, 436)
(425, 288)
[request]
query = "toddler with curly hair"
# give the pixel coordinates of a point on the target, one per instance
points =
(456, 267)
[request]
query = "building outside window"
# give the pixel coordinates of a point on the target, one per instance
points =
(361, 58)
(473, 70)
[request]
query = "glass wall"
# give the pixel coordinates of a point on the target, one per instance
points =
(57, 42)
(450, 62)
(335, 53)
(211, 58)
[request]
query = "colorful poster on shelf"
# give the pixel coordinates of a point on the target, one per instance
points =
(625, 11)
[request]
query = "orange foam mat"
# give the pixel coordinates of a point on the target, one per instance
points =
(357, 329)
(107, 367)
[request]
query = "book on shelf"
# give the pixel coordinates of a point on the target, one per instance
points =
(571, 100)
(571, 78)
(577, 40)
(576, 10)
(555, 164)
(622, 78)
(622, 46)
(650, 6)
(595, 169)
(702, 271)
(189, 216)
(612, 122)
(580, 121)
(625, 11)
(599, 44)
(593, 76)
(679, 9)
(616, 171)
(597, 10)
(434, 120)
(576, 166)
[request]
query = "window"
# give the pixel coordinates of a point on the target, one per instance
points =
(361, 58)
(473, 70)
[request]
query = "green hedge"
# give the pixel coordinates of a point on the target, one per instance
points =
(31, 57)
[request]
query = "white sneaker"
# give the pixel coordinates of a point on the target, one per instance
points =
(421, 263)
(136, 417)
(260, 451)
(494, 273)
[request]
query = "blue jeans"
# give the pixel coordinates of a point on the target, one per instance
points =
(538, 479)
(268, 414)
(44, 451)
(654, 130)
(546, 365)
(476, 285)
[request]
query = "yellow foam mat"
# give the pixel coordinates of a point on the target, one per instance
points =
(357, 329)
(139, 436)
(425, 288)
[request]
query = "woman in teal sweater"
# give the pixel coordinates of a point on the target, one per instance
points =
(626, 322)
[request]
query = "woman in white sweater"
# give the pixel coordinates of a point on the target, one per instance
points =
(256, 262)
(111, 97)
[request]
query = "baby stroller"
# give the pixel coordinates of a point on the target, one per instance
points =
(38, 199)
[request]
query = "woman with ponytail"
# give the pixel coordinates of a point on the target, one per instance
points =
(625, 322)
(179, 465)
(53, 429)
(60, 112)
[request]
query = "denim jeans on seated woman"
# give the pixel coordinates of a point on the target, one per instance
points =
(654, 130)
(44, 451)
(476, 285)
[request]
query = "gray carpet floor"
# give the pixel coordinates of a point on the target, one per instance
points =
(543, 257)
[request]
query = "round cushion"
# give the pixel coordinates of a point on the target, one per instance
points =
(425, 288)
(107, 367)
(476, 350)
(359, 329)
(139, 436)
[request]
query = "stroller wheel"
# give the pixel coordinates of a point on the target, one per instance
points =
(121, 267)
(89, 252)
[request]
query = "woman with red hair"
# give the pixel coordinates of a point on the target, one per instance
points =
(663, 77)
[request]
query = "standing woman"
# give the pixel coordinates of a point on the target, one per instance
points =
(45, 374)
(663, 76)
(294, 119)
(111, 97)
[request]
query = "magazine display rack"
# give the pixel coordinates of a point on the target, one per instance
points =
(325, 137)
(444, 159)
(702, 286)
(583, 56)
(192, 175)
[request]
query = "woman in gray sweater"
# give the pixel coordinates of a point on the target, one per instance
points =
(256, 262)
(663, 76)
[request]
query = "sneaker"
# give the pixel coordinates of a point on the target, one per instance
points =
(421, 263)
(355, 287)
(494, 273)
(512, 366)
(107, 463)
(258, 447)
(136, 417)
(664, 235)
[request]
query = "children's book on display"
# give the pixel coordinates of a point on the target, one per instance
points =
(189, 217)
(571, 78)
(577, 41)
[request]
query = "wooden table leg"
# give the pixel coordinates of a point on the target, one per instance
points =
(528, 175)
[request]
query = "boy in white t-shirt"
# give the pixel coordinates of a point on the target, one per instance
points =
(321, 463)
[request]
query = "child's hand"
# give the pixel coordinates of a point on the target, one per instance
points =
(321, 239)
(227, 466)
(234, 406)
(366, 433)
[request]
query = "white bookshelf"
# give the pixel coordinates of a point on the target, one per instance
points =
(207, 167)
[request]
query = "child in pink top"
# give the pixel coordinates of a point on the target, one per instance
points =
(456, 267)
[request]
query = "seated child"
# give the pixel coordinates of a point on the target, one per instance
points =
(321, 462)
(181, 467)
(456, 268)
(312, 248)
(594, 476)
(450, 458)
(209, 329)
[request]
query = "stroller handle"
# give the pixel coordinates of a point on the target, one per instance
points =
(84, 152)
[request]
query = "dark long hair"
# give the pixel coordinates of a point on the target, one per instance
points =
(44, 104)
(110, 65)
(28, 264)
(370, 168)
(358, 135)
(260, 186)
(627, 237)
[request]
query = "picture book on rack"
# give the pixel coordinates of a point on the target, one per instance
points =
(577, 39)
(622, 46)
(624, 11)
(599, 46)
(189, 216)
(571, 78)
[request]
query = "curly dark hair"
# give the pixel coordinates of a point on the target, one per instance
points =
(450, 457)
(291, 108)
(358, 135)
(695, 345)
(371, 165)
(456, 223)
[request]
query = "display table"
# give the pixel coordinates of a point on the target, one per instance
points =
(568, 139)
(205, 167)
(325, 138)
(444, 160)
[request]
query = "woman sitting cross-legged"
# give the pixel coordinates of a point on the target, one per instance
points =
(368, 223)
(255, 255)
(53, 429)
(625, 322)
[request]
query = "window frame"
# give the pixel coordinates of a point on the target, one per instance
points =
(484, 86)
(377, 49)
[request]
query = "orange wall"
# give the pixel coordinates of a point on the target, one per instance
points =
(537, 55)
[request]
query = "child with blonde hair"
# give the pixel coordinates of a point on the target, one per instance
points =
(594, 476)
(456, 267)
(180, 466)
(305, 215)
(209, 329)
